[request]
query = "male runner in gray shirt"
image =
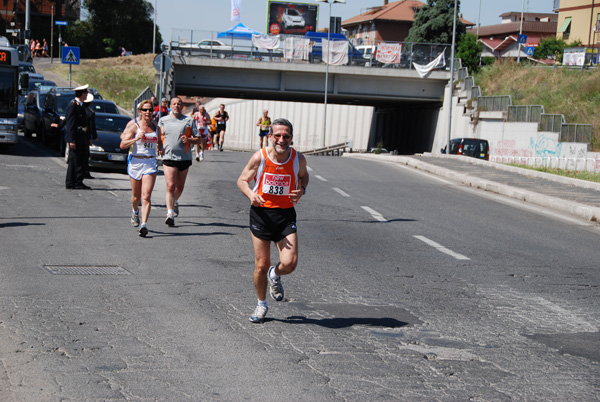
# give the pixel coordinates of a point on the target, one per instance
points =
(177, 134)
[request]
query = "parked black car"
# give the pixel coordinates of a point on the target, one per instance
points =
(474, 147)
(53, 112)
(105, 151)
(32, 114)
(104, 106)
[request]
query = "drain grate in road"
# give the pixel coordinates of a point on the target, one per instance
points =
(86, 270)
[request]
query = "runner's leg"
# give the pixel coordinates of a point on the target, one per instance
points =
(170, 173)
(147, 185)
(288, 254)
(262, 262)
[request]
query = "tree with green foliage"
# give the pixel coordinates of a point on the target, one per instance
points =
(113, 24)
(433, 23)
(468, 50)
(553, 48)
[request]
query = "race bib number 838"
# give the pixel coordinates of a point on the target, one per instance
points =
(276, 184)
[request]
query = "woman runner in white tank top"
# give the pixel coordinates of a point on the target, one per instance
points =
(141, 139)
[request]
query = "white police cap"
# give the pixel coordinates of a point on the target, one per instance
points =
(82, 88)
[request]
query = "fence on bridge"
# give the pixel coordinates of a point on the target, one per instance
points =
(187, 42)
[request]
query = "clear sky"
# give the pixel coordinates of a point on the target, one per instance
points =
(215, 15)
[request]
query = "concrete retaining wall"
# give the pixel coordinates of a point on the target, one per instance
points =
(344, 122)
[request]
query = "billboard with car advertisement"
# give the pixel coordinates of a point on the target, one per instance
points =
(291, 18)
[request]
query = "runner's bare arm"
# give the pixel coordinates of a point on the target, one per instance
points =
(246, 177)
(296, 194)
(128, 137)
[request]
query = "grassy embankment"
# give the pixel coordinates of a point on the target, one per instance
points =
(574, 93)
(120, 79)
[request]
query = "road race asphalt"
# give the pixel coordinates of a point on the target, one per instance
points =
(575, 197)
(578, 198)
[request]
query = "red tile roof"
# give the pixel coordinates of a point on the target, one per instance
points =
(403, 10)
(513, 27)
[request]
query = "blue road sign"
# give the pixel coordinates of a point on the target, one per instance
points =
(529, 50)
(60, 23)
(70, 55)
(522, 38)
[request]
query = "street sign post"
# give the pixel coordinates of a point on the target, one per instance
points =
(60, 24)
(70, 56)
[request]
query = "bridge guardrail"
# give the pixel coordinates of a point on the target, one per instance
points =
(182, 44)
(335, 150)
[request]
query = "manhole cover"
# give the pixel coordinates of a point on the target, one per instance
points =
(86, 270)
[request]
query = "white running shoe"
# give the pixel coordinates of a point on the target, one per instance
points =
(275, 287)
(135, 219)
(260, 312)
(170, 221)
(176, 209)
(200, 157)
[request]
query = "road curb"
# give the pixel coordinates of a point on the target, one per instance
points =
(579, 210)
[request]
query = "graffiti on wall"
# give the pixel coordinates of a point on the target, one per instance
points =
(510, 148)
(545, 147)
(574, 151)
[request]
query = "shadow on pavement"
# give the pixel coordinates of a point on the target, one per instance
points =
(347, 322)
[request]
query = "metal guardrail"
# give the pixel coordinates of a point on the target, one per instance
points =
(475, 92)
(576, 133)
(469, 84)
(183, 40)
(551, 122)
(493, 103)
(525, 113)
(335, 150)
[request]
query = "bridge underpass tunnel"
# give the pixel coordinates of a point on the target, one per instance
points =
(407, 129)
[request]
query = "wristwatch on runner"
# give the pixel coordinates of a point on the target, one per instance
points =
(303, 189)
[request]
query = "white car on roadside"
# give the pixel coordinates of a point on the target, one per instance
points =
(213, 47)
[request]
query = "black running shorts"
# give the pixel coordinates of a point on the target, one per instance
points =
(180, 165)
(272, 224)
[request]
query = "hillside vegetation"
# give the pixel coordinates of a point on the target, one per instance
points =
(120, 79)
(574, 93)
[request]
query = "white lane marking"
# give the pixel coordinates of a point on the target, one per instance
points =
(374, 214)
(309, 168)
(320, 178)
(441, 248)
(341, 192)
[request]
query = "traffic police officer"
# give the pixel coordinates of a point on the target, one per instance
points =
(76, 136)
(92, 134)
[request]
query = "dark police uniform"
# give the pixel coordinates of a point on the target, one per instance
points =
(76, 127)
(92, 134)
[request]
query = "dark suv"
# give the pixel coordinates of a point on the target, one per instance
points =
(474, 147)
(53, 112)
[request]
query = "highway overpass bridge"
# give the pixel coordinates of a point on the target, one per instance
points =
(406, 106)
